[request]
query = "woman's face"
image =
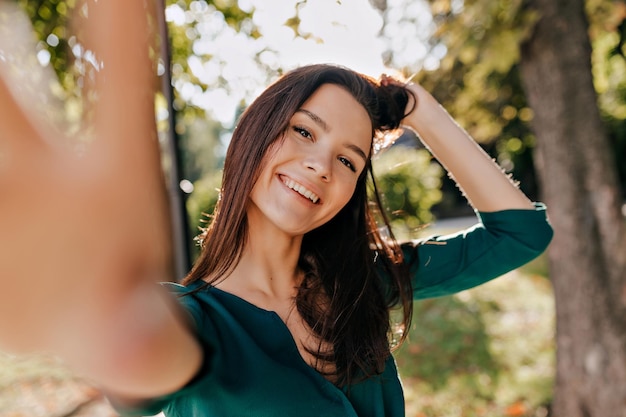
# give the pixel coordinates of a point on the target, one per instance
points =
(309, 177)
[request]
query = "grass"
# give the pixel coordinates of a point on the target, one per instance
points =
(499, 359)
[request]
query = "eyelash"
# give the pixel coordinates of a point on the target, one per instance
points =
(307, 135)
(303, 132)
(347, 163)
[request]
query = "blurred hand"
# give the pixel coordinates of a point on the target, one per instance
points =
(79, 229)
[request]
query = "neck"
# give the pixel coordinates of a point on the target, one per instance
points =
(267, 272)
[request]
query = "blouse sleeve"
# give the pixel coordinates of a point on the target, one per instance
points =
(500, 242)
(193, 312)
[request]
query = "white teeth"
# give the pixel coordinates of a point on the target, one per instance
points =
(300, 189)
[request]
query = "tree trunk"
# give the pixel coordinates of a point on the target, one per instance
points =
(579, 183)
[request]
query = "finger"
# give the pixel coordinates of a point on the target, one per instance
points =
(124, 121)
(18, 137)
(28, 107)
(125, 144)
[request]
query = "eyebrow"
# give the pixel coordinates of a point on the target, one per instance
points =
(321, 123)
(318, 120)
(357, 150)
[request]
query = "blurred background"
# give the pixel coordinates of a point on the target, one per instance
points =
(490, 351)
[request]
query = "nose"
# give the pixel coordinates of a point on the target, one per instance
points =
(320, 163)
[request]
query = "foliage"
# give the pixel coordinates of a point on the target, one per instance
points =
(50, 21)
(201, 203)
(608, 32)
(188, 24)
(409, 183)
(481, 43)
(201, 148)
(60, 48)
(448, 337)
(467, 354)
(477, 78)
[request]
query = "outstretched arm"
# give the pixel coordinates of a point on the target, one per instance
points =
(482, 181)
(84, 234)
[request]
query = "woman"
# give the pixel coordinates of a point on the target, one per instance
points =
(287, 310)
(290, 297)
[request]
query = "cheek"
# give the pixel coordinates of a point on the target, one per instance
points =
(272, 154)
(344, 194)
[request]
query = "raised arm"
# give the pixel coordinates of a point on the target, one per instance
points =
(84, 234)
(482, 181)
(512, 229)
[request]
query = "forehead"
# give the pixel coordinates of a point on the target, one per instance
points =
(342, 114)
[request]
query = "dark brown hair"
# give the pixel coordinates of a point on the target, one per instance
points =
(353, 275)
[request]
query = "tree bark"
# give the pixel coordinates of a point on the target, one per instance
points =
(579, 183)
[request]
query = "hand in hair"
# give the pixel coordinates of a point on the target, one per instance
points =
(483, 182)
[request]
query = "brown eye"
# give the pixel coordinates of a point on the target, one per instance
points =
(303, 132)
(347, 163)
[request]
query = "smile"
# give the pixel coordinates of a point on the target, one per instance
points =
(300, 189)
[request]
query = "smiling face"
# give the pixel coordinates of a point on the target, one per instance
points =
(310, 175)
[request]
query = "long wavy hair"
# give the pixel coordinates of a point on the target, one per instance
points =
(354, 273)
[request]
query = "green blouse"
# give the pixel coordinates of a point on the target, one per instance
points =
(252, 364)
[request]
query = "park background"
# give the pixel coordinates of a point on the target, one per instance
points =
(490, 351)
